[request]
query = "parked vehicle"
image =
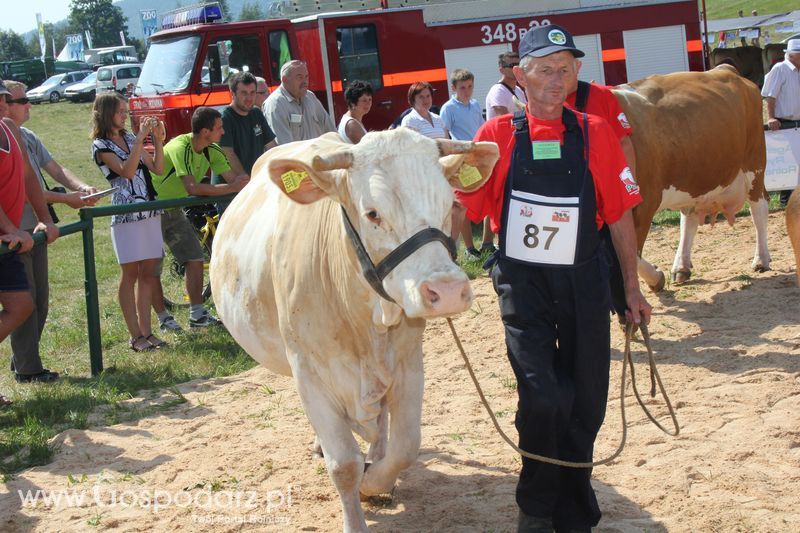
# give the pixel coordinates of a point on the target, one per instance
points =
(392, 45)
(54, 87)
(31, 72)
(83, 91)
(117, 77)
(110, 55)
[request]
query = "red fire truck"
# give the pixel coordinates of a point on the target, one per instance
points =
(392, 44)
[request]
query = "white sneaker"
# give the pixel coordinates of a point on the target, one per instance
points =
(169, 324)
(205, 320)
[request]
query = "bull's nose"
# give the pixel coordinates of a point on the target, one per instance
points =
(446, 297)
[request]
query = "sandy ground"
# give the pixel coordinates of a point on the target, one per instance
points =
(236, 455)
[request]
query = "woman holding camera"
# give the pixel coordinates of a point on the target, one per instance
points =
(136, 236)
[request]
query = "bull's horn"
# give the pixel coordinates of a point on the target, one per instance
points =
(342, 159)
(449, 147)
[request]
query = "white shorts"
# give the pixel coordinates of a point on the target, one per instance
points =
(137, 241)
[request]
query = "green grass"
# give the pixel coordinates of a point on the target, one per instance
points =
(723, 9)
(42, 411)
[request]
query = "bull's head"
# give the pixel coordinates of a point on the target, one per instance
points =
(392, 185)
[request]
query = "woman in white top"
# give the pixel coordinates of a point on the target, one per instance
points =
(136, 236)
(359, 101)
(420, 119)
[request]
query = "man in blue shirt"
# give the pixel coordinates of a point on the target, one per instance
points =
(462, 116)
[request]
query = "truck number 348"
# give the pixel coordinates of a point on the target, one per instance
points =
(507, 32)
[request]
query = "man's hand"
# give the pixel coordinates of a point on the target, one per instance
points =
(19, 239)
(49, 228)
(638, 308)
(75, 200)
(774, 124)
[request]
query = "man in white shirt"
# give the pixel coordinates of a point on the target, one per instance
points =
(500, 99)
(782, 93)
(293, 112)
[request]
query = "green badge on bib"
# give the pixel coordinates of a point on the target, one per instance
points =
(546, 149)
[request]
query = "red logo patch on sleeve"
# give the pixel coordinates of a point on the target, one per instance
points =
(626, 177)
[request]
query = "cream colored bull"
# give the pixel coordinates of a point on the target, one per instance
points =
(289, 288)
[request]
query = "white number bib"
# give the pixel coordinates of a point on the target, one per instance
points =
(540, 229)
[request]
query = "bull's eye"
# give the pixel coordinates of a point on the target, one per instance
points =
(373, 217)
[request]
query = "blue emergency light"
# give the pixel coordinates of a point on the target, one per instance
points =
(203, 14)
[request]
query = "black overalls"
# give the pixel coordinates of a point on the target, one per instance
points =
(556, 321)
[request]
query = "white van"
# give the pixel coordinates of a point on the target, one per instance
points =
(117, 77)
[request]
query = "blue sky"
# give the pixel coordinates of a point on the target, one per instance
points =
(21, 16)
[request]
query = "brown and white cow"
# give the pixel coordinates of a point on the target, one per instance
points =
(700, 149)
(288, 286)
(793, 228)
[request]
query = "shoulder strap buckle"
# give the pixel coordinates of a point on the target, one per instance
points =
(520, 121)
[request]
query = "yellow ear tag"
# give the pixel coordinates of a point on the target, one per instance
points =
(292, 179)
(468, 175)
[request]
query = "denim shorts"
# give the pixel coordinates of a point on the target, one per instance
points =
(12, 274)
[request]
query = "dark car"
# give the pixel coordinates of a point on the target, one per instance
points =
(83, 91)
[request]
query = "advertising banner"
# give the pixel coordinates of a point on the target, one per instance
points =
(42, 42)
(73, 51)
(783, 159)
(149, 22)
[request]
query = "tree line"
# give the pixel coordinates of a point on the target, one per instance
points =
(103, 19)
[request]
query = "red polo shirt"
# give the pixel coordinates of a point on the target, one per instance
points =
(12, 178)
(615, 188)
(602, 102)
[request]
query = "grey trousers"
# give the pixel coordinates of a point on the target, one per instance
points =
(25, 357)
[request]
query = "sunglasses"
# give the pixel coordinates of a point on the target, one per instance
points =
(511, 65)
(22, 101)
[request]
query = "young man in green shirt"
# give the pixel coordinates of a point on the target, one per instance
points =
(187, 159)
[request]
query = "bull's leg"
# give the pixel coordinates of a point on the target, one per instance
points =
(759, 211)
(682, 265)
(651, 275)
(404, 403)
(343, 456)
(377, 450)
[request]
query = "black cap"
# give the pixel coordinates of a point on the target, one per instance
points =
(545, 40)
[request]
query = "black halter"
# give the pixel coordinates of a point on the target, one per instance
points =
(375, 274)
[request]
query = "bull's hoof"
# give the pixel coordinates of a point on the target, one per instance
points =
(378, 500)
(681, 276)
(760, 268)
(659, 286)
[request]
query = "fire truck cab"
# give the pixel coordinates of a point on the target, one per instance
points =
(192, 57)
(394, 43)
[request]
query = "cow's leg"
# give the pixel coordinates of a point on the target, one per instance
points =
(642, 218)
(759, 211)
(404, 403)
(682, 265)
(377, 450)
(651, 275)
(316, 450)
(343, 456)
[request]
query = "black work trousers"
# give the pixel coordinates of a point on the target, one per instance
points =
(557, 334)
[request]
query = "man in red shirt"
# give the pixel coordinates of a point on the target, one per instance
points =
(17, 181)
(560, 178)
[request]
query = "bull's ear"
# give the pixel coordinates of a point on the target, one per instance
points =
(468, 165)
(307, 171)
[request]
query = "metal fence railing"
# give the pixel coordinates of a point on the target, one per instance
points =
(86, 227)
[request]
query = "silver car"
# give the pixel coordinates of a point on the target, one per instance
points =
(53, 88)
